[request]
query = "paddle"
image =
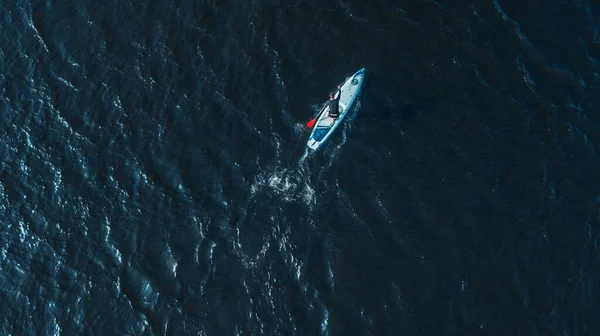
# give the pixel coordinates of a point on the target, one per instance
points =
(311, 123)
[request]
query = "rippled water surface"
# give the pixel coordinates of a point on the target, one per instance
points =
(155, 180)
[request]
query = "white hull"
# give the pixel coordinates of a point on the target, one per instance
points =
(325, 126)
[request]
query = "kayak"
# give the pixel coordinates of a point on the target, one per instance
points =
(325, 125)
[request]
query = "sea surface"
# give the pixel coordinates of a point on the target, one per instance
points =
(154, 177)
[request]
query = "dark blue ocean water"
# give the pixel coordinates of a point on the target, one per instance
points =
(154, 178)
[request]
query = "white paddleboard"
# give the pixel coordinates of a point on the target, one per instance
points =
(325, 125)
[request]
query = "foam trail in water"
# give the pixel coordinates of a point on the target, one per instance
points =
(288, 184)
(302, 160)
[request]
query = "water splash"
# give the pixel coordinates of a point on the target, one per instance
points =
(288, 184)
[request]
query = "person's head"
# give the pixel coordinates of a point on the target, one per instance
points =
(331, 96)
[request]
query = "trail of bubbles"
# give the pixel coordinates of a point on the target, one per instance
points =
(289, 184)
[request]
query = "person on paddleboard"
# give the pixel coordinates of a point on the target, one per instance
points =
(334, 110)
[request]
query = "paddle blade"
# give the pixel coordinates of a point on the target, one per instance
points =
(311, 123)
